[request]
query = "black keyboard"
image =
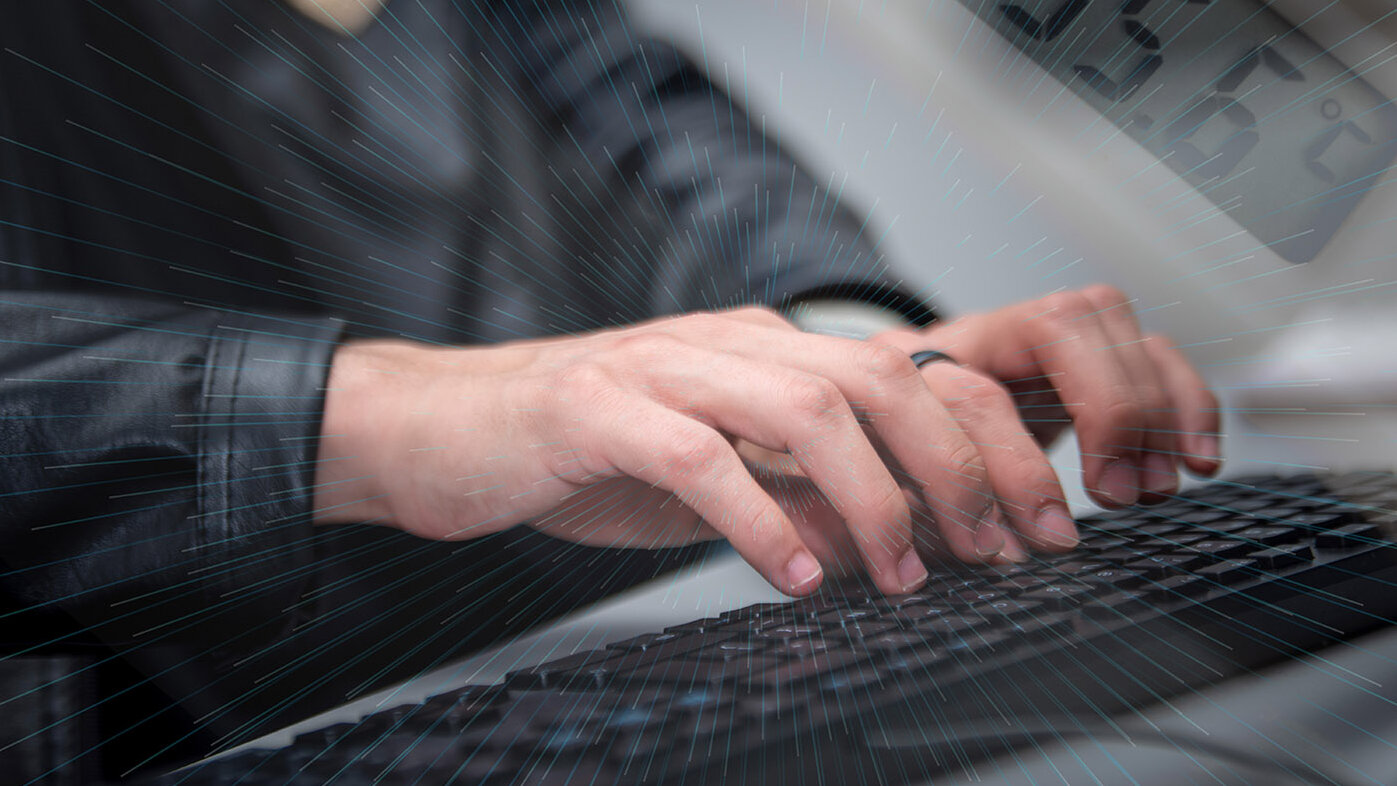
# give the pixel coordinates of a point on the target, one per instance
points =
(852, 687)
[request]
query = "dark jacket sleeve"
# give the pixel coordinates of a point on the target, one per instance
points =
(696, 200)
(157, 459)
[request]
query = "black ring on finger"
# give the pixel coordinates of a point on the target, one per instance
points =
(928, 356)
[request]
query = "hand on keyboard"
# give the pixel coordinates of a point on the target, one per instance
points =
(1081, 359)
(634, 437)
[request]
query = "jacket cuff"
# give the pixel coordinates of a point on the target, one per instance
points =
(263, 401)
(854, 319)
(890, 298)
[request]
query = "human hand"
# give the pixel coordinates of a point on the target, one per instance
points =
(1140, 409)
(627, 437)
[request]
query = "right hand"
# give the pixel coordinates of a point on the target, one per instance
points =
(629, 437)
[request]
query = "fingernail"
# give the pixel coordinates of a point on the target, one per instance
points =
(1208, 448)
(989, 538)
(911, 573)
(1056, 528)
(1159, 474)
(803, 574)
(1012, 552)
(1120, 482)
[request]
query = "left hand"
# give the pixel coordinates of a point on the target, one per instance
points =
(1080, 358)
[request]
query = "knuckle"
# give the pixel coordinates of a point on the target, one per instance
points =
(1122, 413)
(1154, 402)
(1068, 307)
(647, 345)
(978, 395)
(705, 322)
(762, 529)
(884, 363)
(583, 382)
(1156, 342)
(813, 398)
(689, 452)
(965, 462)
(762, 314)
(1208, 400)
(1105, 295)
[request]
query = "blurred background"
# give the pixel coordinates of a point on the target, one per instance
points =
(989, 181)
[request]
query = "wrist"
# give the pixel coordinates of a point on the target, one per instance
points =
(357, 427)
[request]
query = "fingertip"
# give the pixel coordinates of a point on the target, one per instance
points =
(911, 573)
(1013, 552)
(1206, 458)
(1055, 530)
(803, 574)
(1119, 483)
(1159, 475)
(990, 540)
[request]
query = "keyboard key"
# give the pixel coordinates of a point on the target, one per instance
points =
(1061, 597)
(861, 629)
(1331, 519)
(1078, 567)
(974, 595)
(697, 626)
(933, 626)
(1125, 576)
(837, 616)
(1162, 565)
(732, 649)
(897, 640)
(1281, 557)
(643, 642)
(691, 673)
(1006, 608)
(1204, 516)
(1348, 536)
(1116, 606)
(853, 680)
(1224, 571)
(1218, 548)
(1052, 626)
(1175, 587)
(558, 672)
(781, 632)
(1269, 536)
(911, 615)
(798, 648)
(804, 669)
(899, 602)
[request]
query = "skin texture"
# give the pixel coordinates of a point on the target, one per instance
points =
(808, 453)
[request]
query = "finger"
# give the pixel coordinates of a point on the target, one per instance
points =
(791, 411)
(1070, 344)
(933, 454)
(822, 527)
(1199, 414)
(647, 441)
(1157, 469)
(1027, 489)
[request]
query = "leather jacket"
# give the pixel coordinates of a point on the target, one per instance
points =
(199, 199)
